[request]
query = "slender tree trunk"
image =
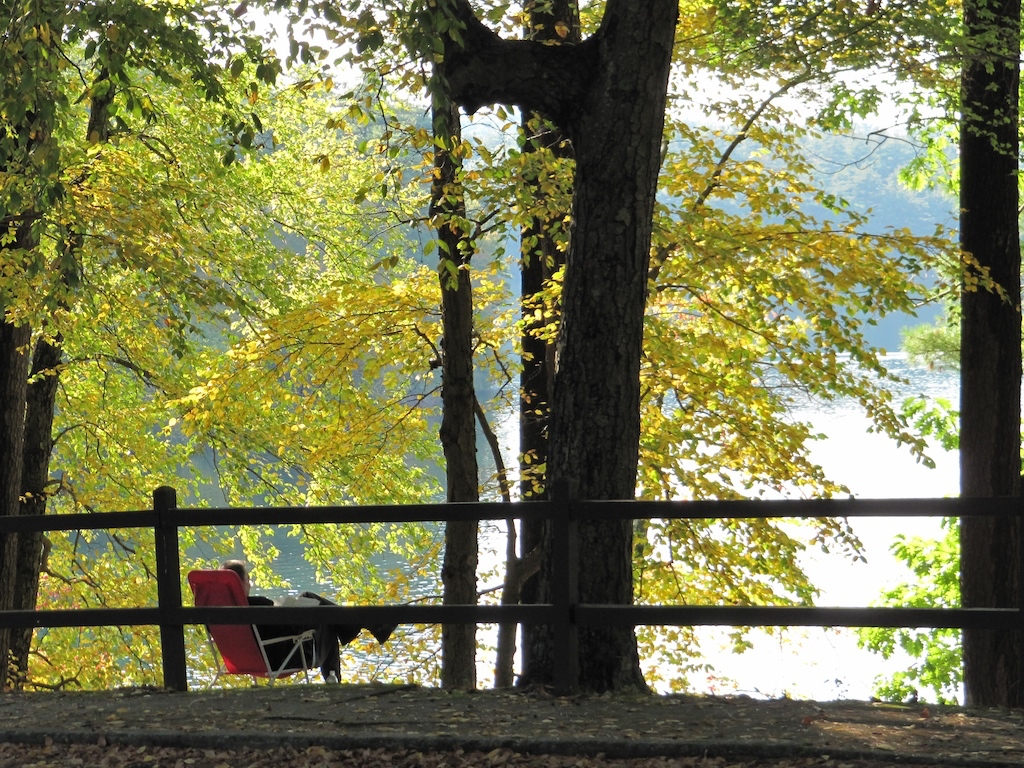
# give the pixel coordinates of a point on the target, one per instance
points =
(458, 426)
(535, 383)
(990, 403)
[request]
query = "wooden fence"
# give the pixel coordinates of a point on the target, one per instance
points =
(565, 613)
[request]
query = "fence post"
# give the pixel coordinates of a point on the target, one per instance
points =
(168, 589)
(565, 589)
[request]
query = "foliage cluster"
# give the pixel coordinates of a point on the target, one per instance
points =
(216, 341)
(935, 670)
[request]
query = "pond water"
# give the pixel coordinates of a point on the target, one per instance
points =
(801, 663)
(825, 664)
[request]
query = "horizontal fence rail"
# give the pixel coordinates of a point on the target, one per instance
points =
(565, 613)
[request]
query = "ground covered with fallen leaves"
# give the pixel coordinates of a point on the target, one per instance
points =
(111, 756)
(409, 727)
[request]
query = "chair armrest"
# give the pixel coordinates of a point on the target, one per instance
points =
(302, 637)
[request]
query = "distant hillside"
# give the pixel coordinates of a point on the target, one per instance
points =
(866, 174)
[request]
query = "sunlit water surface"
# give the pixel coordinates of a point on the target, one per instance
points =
(810, 663)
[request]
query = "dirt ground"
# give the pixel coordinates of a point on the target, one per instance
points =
(343, 725)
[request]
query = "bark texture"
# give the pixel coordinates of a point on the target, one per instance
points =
(14, 341)
(541, 258)
(608, 93)
(40, 402)
(595, 420)
(458, 425)
(990, 462)
(41, 395)
(29, 163)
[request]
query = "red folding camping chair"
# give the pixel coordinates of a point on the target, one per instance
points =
(241, 649)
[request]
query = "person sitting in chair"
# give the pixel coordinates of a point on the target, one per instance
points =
(328, 637)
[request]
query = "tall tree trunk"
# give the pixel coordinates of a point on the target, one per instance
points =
(609, 94)
(458, 426)
(41, 397)
(990, 360)
(29, 158)
(595, 419)
(14, 342)
(541, 258)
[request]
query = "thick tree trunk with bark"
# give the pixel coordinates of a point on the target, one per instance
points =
(30, 157)
(40, 398)
(14, 342)
(609, 94)
(458, 425)
(541, 258)
(990, 340)
(595, 421)
(40, 402)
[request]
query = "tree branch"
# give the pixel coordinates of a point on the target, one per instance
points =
(534, 76)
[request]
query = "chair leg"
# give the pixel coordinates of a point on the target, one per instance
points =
(296, 652)
(218, 662)
(306, 664)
